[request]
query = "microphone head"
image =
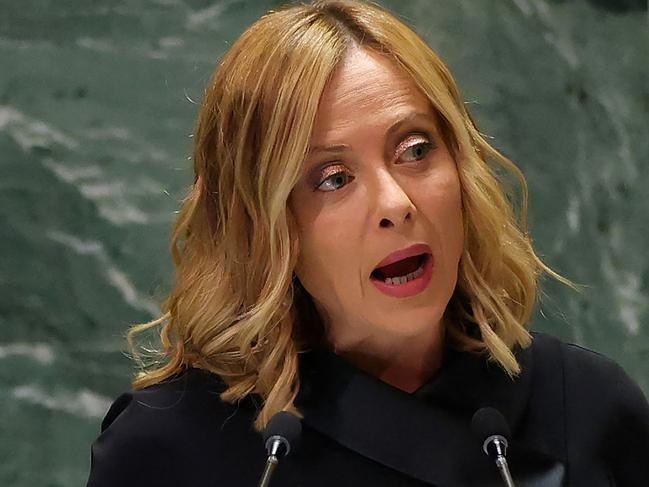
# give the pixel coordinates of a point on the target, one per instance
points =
(490, 426)
(488, 422)
(284, 427)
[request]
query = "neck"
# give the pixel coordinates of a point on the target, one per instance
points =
(405, 364)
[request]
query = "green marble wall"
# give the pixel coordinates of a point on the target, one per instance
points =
(97, 105)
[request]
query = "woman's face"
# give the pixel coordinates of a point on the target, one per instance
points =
(388, 183)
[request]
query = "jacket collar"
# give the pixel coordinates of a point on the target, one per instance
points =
(467, 382)
(425, 435)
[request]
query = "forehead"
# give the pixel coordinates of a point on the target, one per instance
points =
(366, 85)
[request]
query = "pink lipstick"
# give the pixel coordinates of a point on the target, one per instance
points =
(408, 285)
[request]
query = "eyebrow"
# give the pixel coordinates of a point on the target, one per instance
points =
(337, 148)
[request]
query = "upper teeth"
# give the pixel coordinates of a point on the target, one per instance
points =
(408, 277)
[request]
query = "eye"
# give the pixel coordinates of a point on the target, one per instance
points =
(418, 150)
(335, 181)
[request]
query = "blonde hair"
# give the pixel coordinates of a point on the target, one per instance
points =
(236, 308)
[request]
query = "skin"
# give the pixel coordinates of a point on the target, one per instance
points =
(383, 194)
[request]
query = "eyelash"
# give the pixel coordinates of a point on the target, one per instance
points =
(427, 145)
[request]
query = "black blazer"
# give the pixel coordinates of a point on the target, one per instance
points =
(577, 419)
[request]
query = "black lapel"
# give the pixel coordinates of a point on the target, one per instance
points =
(425, 435)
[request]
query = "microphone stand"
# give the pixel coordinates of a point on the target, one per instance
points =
(271, 463)
(275, 442)
(500, 445)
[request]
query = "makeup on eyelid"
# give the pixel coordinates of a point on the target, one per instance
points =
(413, 140)
(420, 139)
(331, 170)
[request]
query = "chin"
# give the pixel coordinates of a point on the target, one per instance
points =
(415, 324)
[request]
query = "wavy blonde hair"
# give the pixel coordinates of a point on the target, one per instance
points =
(236, 308)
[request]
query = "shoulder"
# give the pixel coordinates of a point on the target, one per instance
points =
(603, 408)
(587, 373)
(601, 385)
(182, 403)
(170, 433)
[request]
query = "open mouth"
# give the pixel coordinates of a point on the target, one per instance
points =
(402, 271)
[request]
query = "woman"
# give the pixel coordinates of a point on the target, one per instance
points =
(347, 254)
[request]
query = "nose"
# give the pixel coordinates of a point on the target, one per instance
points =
(394, 205)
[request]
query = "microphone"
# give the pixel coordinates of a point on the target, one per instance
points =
(282, 432)
(490, 426)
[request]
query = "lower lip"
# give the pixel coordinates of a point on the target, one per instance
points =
(410, 288)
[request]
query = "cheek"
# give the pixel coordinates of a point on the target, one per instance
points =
(326, 248)
(443, 203)
(455, 218)
(451, 205)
